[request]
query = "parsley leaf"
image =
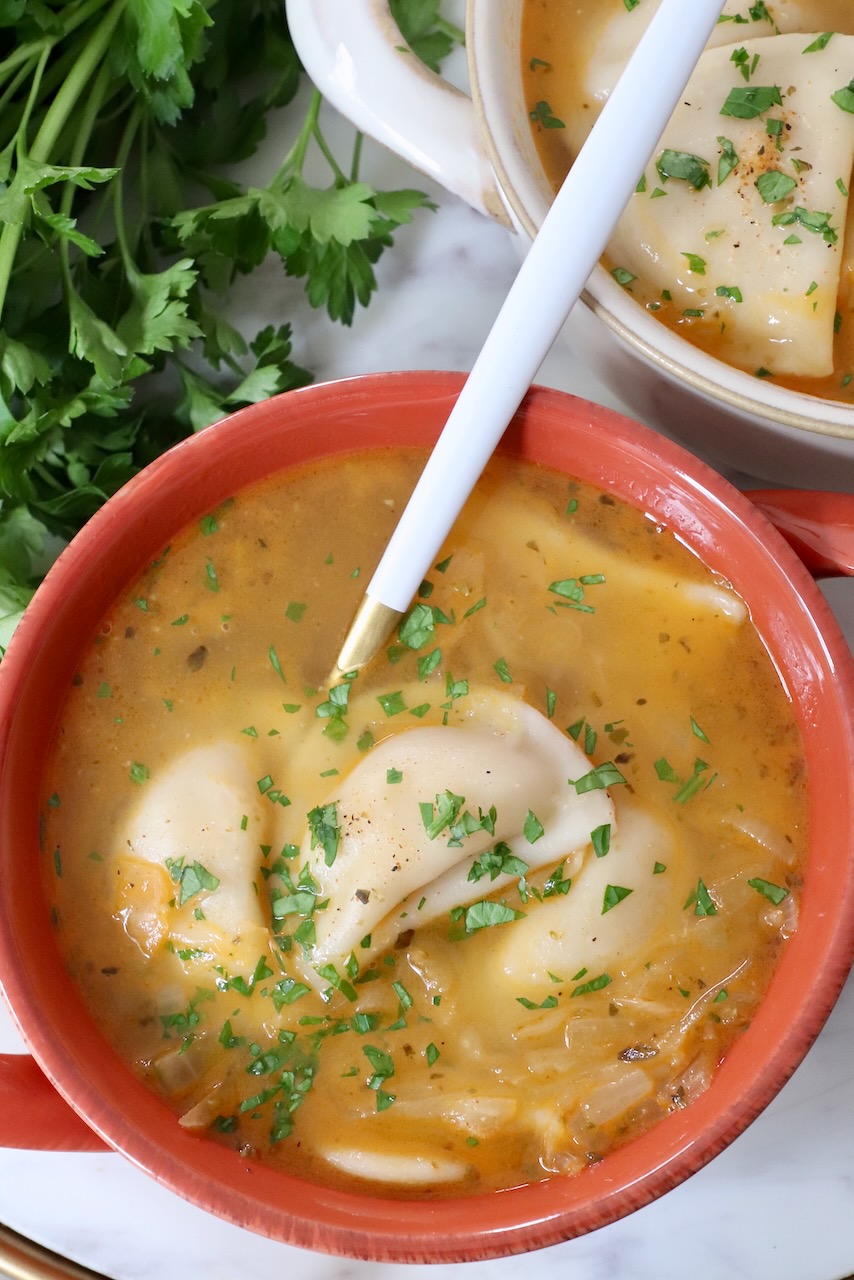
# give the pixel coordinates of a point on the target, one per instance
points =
(123, 232)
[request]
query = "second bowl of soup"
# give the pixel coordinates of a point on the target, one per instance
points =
(721, 312)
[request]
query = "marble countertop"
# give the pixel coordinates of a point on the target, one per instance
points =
(778, 1203)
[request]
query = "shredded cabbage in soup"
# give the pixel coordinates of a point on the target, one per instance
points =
(472, 918)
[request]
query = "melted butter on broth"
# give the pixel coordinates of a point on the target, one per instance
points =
(571, 55)
(476, 1050)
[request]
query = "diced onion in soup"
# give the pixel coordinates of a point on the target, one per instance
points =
(383, 1166)
(472, 918)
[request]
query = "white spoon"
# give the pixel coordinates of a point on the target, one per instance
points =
(567, 247)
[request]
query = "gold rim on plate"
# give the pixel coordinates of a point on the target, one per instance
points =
(23, 1259)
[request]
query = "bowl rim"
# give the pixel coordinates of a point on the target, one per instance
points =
(343, 1223)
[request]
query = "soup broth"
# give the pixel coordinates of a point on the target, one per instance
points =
(740, 236)
(199, 841)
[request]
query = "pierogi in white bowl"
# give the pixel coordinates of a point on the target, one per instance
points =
(737, 237)
(721, 314)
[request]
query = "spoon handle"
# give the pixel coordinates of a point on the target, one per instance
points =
(567, 247)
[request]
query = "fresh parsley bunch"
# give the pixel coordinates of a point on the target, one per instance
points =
(122, 230)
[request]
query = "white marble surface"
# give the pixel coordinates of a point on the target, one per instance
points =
(777, 1205)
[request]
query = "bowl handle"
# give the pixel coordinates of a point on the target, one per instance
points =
(818, 525)
(33, 1116)
(357, 58)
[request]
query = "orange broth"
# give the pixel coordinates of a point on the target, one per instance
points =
(453, 1071)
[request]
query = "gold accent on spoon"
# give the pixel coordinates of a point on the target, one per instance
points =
(368, 630)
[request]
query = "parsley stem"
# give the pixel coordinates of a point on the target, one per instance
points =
(357, 157)
(16, 81)
(451, 30)
(53, 123)
(26, 54)
(32, 99)
(70, 23)
(323, 146)
(74, 85)
(127, 140)
(91, 114)
(295, 159)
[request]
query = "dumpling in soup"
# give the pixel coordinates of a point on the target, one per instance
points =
(473, 917)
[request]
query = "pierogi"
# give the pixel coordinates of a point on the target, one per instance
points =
(473, 917)
(740, 235)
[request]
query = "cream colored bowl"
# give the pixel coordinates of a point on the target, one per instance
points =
(481, 149)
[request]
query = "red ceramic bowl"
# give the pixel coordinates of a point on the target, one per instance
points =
(108, 1105)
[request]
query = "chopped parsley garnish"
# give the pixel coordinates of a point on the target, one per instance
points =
(335, 705)
(274, 794)
(382, 1068)
(728, 159)
(571, 592)
(750, 101)
(392, 703)
(550, 1002)
(499, 861)
(557, 885)
(774, 186)
(417, 628)
(403, 996)
(485, 915)
(684, 166)
(139, 773)
(443, 814)
(844, 97)
(428, 664)
(331, 975)
(288, 991)
(689, 787)
(600, 838)
(614, 895)
(300, 899)
(595, 984)
(324, 829)
(696, 264)
(543, 115)
(191, 878)
(702, 901)
(697, 731)
(815, 221)
(275, 663)
(533, 828)
(773, 892)
(604, 775)
(503, 672)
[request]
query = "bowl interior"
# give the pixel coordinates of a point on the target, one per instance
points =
(593, 444)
